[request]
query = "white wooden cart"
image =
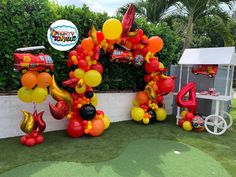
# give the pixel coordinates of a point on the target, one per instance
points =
(219, 121)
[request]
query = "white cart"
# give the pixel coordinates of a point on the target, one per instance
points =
(218, 122)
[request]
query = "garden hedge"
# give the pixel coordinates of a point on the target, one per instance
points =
(24, 23)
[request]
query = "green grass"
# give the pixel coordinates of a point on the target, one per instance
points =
(59, 147)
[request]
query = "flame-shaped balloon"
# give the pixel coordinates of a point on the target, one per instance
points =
(60, 110)
(128, 20)
(40, 122)
(150, 92)
(27, 123)
(59, 94)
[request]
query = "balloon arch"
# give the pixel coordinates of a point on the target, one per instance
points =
(126, 44)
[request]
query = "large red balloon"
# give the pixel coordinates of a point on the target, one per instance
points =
(75, 128)
(166, 85)
(152, 66)
(98, 67)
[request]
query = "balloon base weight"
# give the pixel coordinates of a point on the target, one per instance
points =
(32, 139)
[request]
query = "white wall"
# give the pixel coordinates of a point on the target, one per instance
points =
(116, 105)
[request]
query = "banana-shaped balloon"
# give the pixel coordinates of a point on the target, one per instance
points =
(59, 94)
(93, 33)
(150, 92)
(27, 123)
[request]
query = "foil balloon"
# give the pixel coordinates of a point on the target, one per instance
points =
(27, 123)
(60, 110)
(59, 94)
(128, 20)
(191, 103)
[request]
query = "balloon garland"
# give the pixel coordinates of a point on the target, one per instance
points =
(126, 44)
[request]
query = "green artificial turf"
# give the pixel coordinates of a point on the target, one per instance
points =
(59, 147)
(141, 158)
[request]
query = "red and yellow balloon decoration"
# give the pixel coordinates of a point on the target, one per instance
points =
(126, 44)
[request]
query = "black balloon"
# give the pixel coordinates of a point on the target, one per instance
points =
(74, 67)
(87, 111)
(153, 114)
(160, 105)
(89, 94)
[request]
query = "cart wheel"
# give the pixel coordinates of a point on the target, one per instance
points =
(195, 73)
(210, 75)
(215, 124)
(228, 117)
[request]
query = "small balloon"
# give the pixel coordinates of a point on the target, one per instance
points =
(106, 121)
(80, 90)
(79, 73)
(160, 114)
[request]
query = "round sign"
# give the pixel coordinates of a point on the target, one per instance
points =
(62, 35)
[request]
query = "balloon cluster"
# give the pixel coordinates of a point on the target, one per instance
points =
(34, 86)
(189, 120)
(33, 126)
(34, 89)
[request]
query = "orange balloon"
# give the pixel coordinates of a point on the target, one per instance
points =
(71, 74)
(29, 80)
(87, 44)
(34, 72)
(97, 127)
(155, 44)
(44, 79)
(141, 97)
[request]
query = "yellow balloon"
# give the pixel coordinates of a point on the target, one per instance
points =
(137, 113)
(112, 29)
(161, 114)
(80, 90)
(94, 99)
(92, 78)
(146, 120)
(183, 113)
(79, 73)
(187, 126)
(25, 94)
(106, 121)
(39, 94)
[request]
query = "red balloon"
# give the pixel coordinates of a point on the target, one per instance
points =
(35, 134)
(189, 116)
(79, 48)
(60, 110)
(82, 64)
(147, 78)
(98, 127)
(73, 53)
(166, 86)
(152, 66)
(100, 36)
(191, 102)
(98, 67)
(39, 139)
(23, 140)
(75, 128)
(180, 122)
(30, 142)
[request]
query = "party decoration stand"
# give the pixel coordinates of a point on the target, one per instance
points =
(35, 80)
(219, 121)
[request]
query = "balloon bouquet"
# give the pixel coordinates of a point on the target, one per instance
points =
(34, 90)
(190, 120)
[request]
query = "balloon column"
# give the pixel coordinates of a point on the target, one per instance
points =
(190, 120)
(34, 90)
